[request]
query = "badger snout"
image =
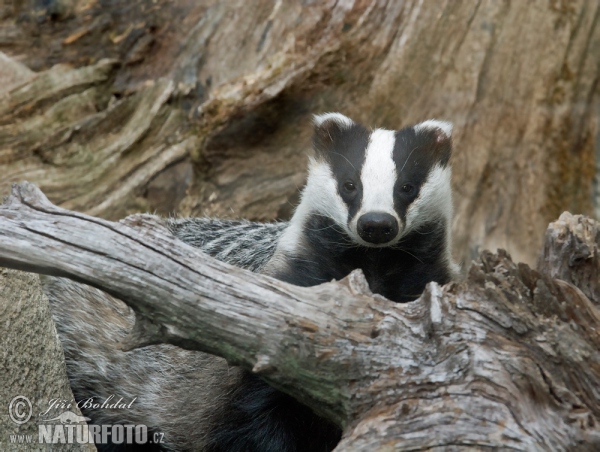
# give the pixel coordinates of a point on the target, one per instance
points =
(377, 227)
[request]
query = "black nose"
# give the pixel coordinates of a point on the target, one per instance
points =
(377, 227)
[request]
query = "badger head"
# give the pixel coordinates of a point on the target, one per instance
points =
(379, 185)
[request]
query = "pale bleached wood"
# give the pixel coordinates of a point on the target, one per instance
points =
(507, 358)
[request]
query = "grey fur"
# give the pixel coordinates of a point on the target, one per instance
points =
(187, 394)
(238, 242)
(168, 383)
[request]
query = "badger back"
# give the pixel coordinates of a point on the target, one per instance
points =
(379, 185)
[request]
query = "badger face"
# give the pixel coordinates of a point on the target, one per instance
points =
(378, 185)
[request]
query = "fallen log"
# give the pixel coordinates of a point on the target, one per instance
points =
(509, 357)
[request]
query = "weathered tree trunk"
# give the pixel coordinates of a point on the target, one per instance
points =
(508, 358)
(208, 108)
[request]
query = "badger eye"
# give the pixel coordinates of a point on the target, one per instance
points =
(349, 186)
(408, 188)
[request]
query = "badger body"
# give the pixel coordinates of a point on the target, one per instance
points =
(377, 200)
(398, 274)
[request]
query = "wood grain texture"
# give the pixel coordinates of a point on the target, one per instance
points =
(509, 357)
(572, 253)
(88, 150)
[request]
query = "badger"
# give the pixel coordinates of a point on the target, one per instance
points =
(377, 200)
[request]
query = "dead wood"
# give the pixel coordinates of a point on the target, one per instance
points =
(509, 357)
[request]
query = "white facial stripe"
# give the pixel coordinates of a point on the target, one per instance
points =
(320, 195)
(378, 174)
(434, 200)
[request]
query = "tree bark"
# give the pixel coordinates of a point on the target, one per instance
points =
(208, 110)
(509, 357)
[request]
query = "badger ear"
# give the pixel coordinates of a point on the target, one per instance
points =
(334, 118)
(328, 128)
(438, 138)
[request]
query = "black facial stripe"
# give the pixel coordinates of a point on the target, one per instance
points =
(415, 155)
(348, 163)
(344, 149)
(354, 204)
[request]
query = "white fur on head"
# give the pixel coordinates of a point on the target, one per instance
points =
(435, 195)
(320, 195)
(378, 177)
(434, 200)
(343, 121)
(434, 124)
